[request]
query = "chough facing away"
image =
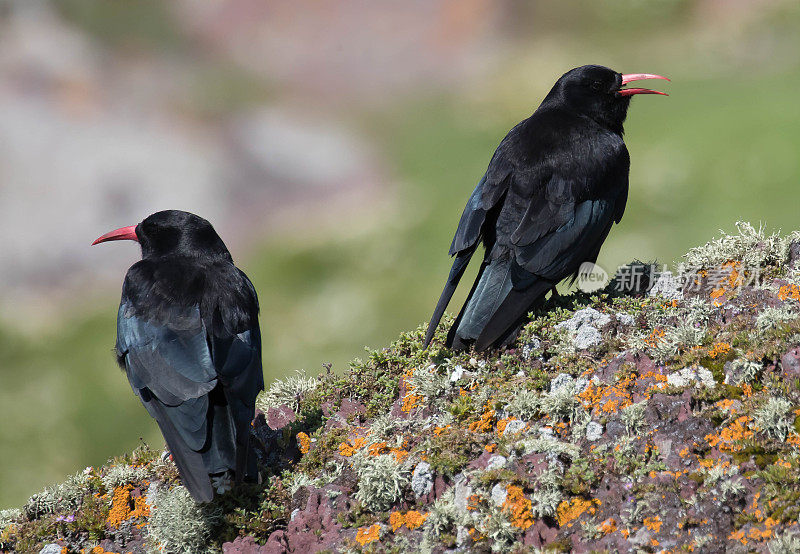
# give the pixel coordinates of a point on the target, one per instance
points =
(553, 189)
(188, 339)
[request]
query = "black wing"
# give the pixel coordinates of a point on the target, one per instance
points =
(199, 388)
(169, 367)
(564, 225)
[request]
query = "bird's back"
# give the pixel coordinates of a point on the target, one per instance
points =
(189, 340)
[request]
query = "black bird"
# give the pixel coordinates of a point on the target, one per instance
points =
(553, 189)
(188, 339)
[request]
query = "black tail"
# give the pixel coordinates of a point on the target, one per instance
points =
(190, 463)
(511, 313)
(456, 272)
(491, 286)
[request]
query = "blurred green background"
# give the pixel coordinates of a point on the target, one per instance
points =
(426, 94)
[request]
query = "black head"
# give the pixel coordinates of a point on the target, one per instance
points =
(173, 233)
(596, 92)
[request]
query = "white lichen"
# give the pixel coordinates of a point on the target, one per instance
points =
(178, 524)
(286, 392)
(381, 481)
(120, 475)
(750, 246)
(773, 418)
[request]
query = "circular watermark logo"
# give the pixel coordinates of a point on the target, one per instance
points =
(591, 277)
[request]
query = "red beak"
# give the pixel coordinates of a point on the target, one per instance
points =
(627, 78)
(123, 233)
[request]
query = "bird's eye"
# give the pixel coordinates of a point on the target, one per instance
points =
(596, 85)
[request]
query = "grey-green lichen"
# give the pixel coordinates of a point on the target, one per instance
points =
(381, 481)
(753, 247)
(773, 418)
(286, 392)
(178, 524)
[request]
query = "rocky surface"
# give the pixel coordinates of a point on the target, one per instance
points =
(677, 430)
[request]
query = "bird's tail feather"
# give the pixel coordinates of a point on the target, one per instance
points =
(493, 285)
(456, 272)
(190, 463)
(510, 314)
(453, 340)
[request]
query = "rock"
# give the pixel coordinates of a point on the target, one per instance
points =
(790, 363)
(625, 319)
(462, 493)
(594, 431)
(696, 375)
(422, 479)
(586, 337)
(794, 253)
(615, 428)
(350, 408)
(313, 529)
(280, 417)
(51, 548)
(247, 545)
(496, 462)
(529, 347)
(514, 426)
(499, 494)
(583, 326)
(586, 316)
(457, 373)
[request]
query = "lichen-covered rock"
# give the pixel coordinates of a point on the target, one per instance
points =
(658, 422)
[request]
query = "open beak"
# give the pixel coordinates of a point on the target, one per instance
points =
(124, 233)
(628, 77)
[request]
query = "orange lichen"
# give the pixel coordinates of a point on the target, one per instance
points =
(490, 447)
(608, 526)
(484, 424)
(733, 280)
(396, 520)
(793, 439)
(415, 519)
(655, 336)
(725, 404)
(410, 399)
(121, 509)
(120, 506)
(729, 439)
(399, 454)
(366, 535)
(350, 447)
(653, 523)
(502, 424)
(303, 442)
(719, 349)
(568, 511)
(789, 291)
(377, 448)
(518, 507)
(606, 399)
(439, 430)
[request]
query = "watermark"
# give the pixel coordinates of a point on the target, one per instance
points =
(641, 278)
(591, 277)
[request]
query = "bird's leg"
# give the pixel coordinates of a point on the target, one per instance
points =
(554, 293)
